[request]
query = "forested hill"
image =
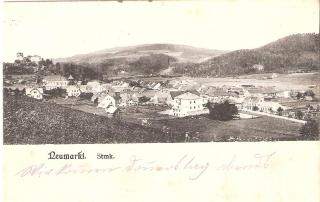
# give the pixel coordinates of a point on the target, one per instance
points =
(294, 52)
(142, 59)
(298, 52)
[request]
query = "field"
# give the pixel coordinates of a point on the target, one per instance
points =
(262, 128)
(201, 127)
(206, 130)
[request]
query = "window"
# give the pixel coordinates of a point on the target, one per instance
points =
(194, 101)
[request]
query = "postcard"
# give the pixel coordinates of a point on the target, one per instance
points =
(160, 101)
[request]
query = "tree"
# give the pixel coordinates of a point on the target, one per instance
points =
(309, 93)
(86, 96)
(310, 130)
(255, 108)
(144, 99)
(299, 95)
(280, 110)
(222, 111)
(57, 92)
(299, 114)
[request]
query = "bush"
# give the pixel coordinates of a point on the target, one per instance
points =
(310, 130)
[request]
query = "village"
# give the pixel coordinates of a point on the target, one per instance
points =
(144, 101)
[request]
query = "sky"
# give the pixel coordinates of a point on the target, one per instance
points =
(63, 29)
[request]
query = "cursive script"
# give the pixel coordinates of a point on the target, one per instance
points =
(189, 164)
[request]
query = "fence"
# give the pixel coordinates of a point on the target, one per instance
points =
(275, 116)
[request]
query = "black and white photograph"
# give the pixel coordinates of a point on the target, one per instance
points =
(108, 72)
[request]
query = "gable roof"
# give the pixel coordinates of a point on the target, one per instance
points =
(178, 93)
(54, 78)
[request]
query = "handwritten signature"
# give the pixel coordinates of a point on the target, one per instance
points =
(185, 163)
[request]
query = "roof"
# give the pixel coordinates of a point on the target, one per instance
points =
(54, 78)
(177, 93)
(251, 99)
(188, 96)
(70, 77)
(219, 92)
(99, 95)
(149, 93)
(73, 87)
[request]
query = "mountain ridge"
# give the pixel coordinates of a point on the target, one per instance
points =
(293, 52)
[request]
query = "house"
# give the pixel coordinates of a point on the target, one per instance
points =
(258, 67)
(284, 94)
(73, 91)
(109, 100)
(258, 104)
(20, 56)
(94, 86)
(255, 91)
(308, 98)
(267, 92)
(150, 94)
(55, 81)
(218, 95)
(270, 107)
(36, 93)
(239, 91)
(252, 103)
(187, 103)
(83, 88)
(35, 58)
(162, 97)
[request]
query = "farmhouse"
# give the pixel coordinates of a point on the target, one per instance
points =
(250, 103)
(36, 93)
(55, 81)
(109, 100)
(284, 94)
(73, 91)
(259, 104)
(187, 103)
(218, 95)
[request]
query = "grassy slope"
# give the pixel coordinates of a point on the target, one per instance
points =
(27, 121)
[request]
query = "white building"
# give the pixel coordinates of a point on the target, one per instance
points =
(187, 104)
(73, 91)
(36, 93)
(107, 101)
(55, 81)
(35, 58)
(258, 104)
(94, 86)
(20, 56)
